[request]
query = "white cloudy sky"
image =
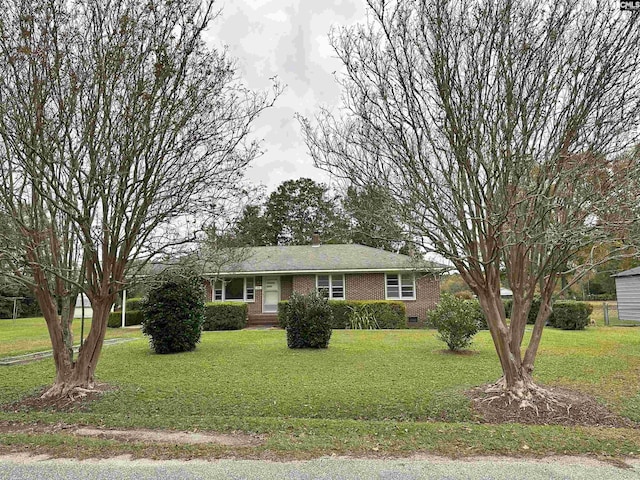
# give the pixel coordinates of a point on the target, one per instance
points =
(286, 38)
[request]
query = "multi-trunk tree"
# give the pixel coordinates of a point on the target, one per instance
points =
(497, 127)
(117, 122)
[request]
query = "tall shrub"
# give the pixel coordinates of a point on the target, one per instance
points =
(174, 313)
(456, 321)
(308, 321)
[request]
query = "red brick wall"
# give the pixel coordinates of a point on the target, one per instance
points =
(286, 287)
(303, 284)
(370, 286)
(255, 306)
(364, 286)
(427, 297)
(208, 290)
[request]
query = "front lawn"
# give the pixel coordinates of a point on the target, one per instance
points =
(26, 335)
(377, 391)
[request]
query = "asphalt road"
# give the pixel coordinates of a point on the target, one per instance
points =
(324, 468)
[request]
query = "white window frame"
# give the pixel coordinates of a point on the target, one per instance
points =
(224, 281)
(331, 286)
(400, 277)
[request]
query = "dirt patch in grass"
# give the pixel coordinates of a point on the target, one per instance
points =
(136, 435)
(551, 406)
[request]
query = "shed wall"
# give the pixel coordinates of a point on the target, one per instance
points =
(628, 295)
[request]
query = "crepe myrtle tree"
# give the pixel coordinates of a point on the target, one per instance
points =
(497, 127)
(117, 122)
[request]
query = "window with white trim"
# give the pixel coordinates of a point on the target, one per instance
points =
(331, 286)
(240, 289)
(400, 286)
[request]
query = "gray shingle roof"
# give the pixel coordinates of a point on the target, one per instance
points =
(324, 258)
(628, 273)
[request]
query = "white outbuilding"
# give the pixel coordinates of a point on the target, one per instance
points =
(628, 294)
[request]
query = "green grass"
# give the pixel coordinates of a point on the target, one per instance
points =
(26, 335)
(370, 391)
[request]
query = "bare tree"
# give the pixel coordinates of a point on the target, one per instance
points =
(497, 127)
(117, 123)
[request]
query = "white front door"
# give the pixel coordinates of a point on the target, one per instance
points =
(270, 294)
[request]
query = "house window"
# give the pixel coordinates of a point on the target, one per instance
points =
(400, 286)
(250, 288)
(234, 289)
(217, 291)
(331, 286)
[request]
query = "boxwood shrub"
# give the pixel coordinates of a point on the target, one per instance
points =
(225, 316)
(570, 315)
(131, 317)
(308, 320)
(387, 313)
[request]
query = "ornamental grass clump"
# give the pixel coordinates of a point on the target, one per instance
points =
(174, 313)
(456, 322)
(308, 322)
(363, 318)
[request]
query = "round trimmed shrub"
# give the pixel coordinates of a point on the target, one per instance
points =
(174, 313)
(308, 322)
(456, 321)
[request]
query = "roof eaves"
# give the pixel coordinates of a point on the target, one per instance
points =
(320, 270)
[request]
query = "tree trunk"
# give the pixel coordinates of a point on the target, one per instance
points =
(516, 382)
(77, 377)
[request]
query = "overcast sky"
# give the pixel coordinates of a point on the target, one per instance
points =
(287, 39)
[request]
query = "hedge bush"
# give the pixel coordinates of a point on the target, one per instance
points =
(533, 313)
(225, 316)
(601, 297)
(308, 320)
(455, 320)
(174, 313)
(134, 303)
(387, 313)
(131, 317)
(570, 315)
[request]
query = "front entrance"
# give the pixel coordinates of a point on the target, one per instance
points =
(270, 294)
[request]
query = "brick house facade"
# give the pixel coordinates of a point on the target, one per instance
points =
(345, 272)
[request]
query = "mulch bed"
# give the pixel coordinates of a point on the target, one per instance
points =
(561, 406)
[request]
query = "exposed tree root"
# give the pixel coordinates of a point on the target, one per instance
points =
(72, 392)
(61, 398)
(534, 404)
